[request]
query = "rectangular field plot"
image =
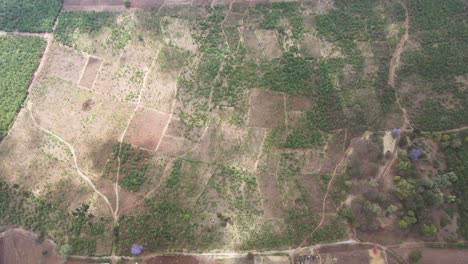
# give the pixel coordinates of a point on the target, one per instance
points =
(90, 72)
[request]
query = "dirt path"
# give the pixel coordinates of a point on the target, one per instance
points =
(330, 184)
(25, 34)
(72, 151)
(395, 63)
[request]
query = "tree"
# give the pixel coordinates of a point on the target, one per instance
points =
(65, 250)
(415, 256)
(428, 230)
(402, 224)
(126, 3)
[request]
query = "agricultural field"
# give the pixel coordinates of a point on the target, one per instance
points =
(19, 59)
(29, 15)
(239, 127)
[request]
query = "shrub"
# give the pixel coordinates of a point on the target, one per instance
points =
(415, 256)
(65, 250)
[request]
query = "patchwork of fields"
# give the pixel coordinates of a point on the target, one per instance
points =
(238, 126)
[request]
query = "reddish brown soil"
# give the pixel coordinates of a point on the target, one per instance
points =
(90, 72)
(266, 109)
(17, 246)
(172, 260)
(146, 128)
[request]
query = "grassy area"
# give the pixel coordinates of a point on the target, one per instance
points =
(29, 15)
(19, 58)
(440, 28)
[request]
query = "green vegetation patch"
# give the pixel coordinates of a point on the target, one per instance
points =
(29, 15)
(456, 155)
(48, 216)
(19, 58)
(441, 30)
(272, 13)
(84, 22)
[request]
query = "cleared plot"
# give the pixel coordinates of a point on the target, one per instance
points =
(90, 5)
(349, 254)
(121, 81)
(147, 3)
(160, 90)
(266, 109)
(310, 45)
(91, 120)
(269, 43)
(271, 198)
(17, 246)
(90, 72)
(229, 144)
(137, 55)
(251, 41)
(146, 128)
(65, 63)
(299, 103)
(40, 155)
(174, 146)
(176, 32)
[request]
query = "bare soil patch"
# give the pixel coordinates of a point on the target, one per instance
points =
(269, 43)
(93, 5)
(160, 90)
(174, 146)
(299, 103)
(65, 63)
(146, 128)
(271, 197)
(90, 72)
(239, 7)
(18, 247)
(266, 109)
(121, 81)
(137, 55)
(349, 254)
(310, 45)
(177, 32)
(229, 144)
(252, 43)
(176, 128)
(145, 4)
(314, 190)
(173, 260)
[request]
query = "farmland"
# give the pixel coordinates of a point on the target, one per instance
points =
(20, 57)
(238, 127)
(29, 15)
